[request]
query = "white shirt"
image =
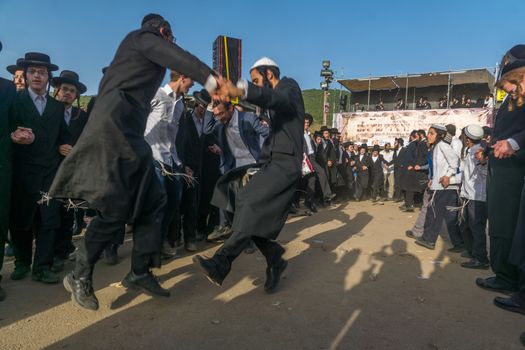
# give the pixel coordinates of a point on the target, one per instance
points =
(388, 156)
(489, 103)
(308, 142)
(474, 179)
(240, 152)
(445, 162)
(163, 124)
(40, 101)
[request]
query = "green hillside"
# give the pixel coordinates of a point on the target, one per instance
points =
(313, 103)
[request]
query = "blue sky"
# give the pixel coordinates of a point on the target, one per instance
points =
(359, 37)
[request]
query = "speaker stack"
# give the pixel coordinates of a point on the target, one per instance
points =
(227, 57)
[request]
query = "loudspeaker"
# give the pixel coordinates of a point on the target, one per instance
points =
(227, 57)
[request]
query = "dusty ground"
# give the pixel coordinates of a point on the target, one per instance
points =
(354, 281)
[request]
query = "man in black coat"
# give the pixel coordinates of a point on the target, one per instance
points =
(399, 159)
(34, 167)
(415, 180)
(68, 88)
(262, 205)
(377, 163)
(362, 166)
(327, 157)
(506, 179)
(122, 185)
(7, 101)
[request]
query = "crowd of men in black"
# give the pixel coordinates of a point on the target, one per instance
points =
(444, 173)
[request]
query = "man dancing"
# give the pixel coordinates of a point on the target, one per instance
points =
(123, 187)
(263, 204)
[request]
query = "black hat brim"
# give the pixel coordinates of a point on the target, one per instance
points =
(13, 68)
(27, 63)
(198, 98)
(61, 80)
(510, 67)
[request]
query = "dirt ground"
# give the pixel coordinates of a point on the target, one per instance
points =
(354, 281)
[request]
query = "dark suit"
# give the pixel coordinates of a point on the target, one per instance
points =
(363, 175)
(262, 205)
(505, 181)
(34, 167)
(348, 171)
(64, 237)
(326, 152)
(399, 160)
(250, 128)
(377, 177)
(319, 174)
(122, 184)
(7, 114)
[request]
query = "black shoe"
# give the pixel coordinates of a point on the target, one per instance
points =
(167, 251)
(409, 209)
(45, 275)
(420, 241)
(402, 207)
(58, 265)
(273, 275)
(475, 264)
(20, 272)
(210, 269)
(111, 254)
(493, 285)
(190, 247)
(522, 338)
(311, 207)
(146, 283)
(509, 304)
(82, 292)
(329, 197)
(410, 234)
(465, 254)
(456, 249)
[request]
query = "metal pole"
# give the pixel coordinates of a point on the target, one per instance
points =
(448, 90)
(325, 103)
(369, 87)
(406, 95)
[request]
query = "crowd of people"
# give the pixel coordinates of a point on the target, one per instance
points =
(463, 101)
(177, 173)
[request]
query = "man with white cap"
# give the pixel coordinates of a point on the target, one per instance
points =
(473, 196)
(262, 205)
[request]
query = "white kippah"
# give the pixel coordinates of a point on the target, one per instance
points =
(474, 132)
(265, 61)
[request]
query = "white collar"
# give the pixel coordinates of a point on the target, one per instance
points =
(34, 95)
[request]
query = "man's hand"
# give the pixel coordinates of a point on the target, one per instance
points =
(410, 167)
(365, 168)
(330, 163)
(503, 149)
(23, 136)
(65, 150)
(444, 181)
(417, 168)
(215, 149)
(352, 163)
(480, 157)
(188, 171)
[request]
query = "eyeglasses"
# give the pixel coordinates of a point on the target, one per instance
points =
(37, 71)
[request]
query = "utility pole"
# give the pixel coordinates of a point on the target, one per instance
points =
(328, 76)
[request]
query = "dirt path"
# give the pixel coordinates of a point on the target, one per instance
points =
(354, 281)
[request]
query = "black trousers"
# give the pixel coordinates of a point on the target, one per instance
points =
(440, 220)
(322, 178)
(238, 241)
(361, 185)
(473, 229)
(173, 187)
(46, 221)
(147, 237)
(185, 225)
(64, 238)
(409, 198)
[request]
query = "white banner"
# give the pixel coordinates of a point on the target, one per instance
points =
(384, 126)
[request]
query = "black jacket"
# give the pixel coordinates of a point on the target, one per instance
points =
(76, 125)
(112, 149)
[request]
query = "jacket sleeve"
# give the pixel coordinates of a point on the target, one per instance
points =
(169, 55)
(209, 123)
(281, 98)
(259, 127)
(451, 158)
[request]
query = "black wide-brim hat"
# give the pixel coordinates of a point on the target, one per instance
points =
(376, 148)
(511, 66)
(324, 128)
(309, 117)
(202, 97)
(36, 59)
(346, 144)
(12, 68)
(364, 145)
(69, 77)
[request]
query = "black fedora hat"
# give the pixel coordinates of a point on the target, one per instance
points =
(512, 66)
(364, 145)
(324, 128)
(36, 59)
(376, 148)
(12, 68)
(308, 116)
(69, 77)
(202, 97)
